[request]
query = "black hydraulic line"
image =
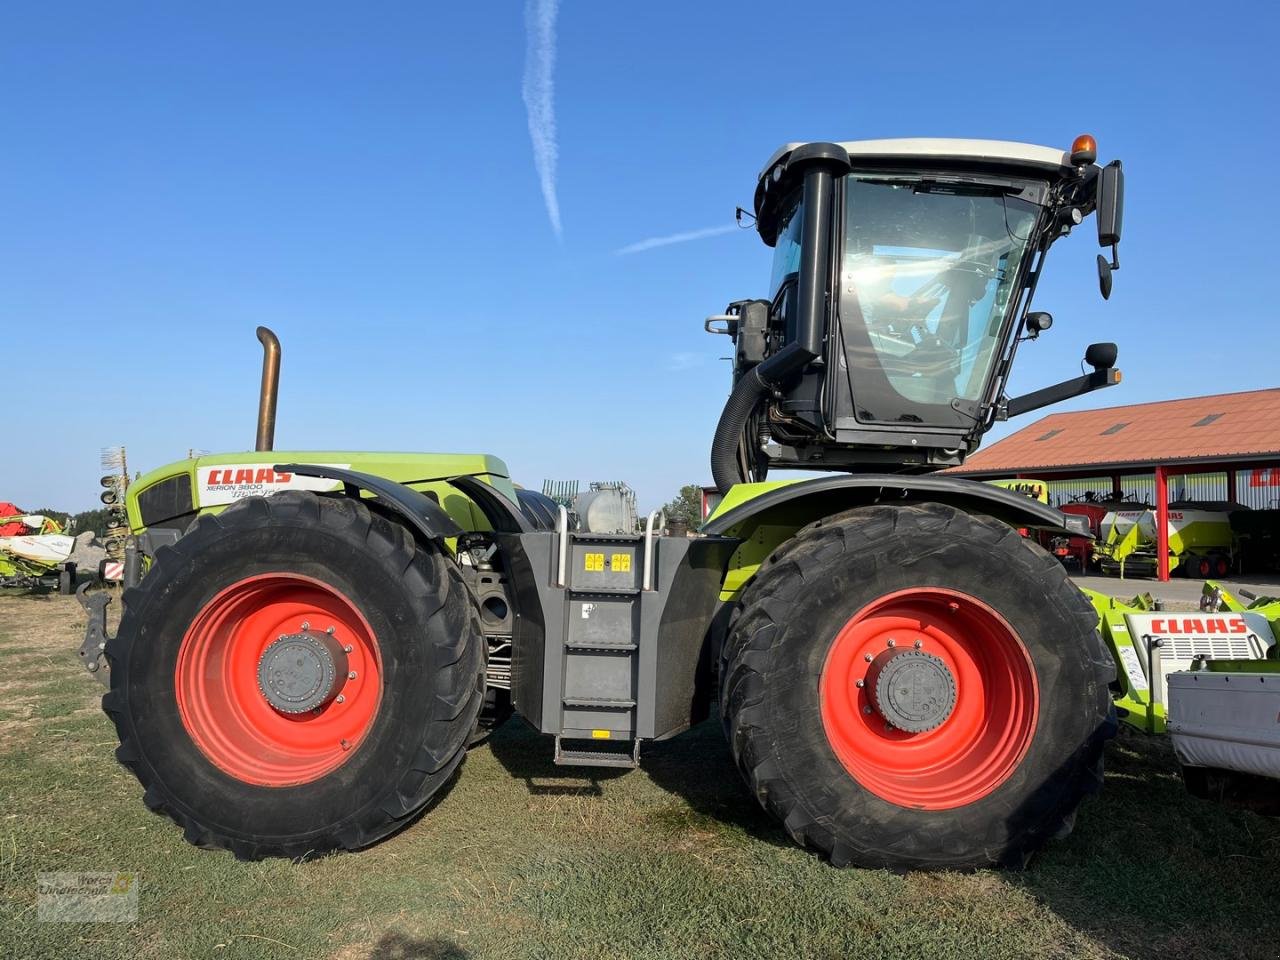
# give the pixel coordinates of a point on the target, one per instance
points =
(725, 470)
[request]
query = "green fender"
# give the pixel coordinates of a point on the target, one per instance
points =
(765, 515)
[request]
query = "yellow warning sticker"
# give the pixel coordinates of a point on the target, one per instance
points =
(593, 562)
(620, 562)
(600, 734)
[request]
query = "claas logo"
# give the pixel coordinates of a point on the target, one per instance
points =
(247, 475)
(1198, 626)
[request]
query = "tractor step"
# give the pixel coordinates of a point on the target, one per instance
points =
(603, 703)
(599, 678)
(598, 753)
(609, 665)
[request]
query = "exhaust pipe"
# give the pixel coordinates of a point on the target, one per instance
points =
(270, 389)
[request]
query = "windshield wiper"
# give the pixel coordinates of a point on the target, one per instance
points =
(952, 188)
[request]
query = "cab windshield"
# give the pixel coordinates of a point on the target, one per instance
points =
(928, 271)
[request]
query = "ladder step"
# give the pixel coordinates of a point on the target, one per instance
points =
(610, 647)
(601, 703)
(629, 759)
(579, 758)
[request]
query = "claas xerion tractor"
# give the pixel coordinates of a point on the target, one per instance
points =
(311, 640)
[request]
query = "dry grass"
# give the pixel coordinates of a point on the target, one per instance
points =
(523, 859)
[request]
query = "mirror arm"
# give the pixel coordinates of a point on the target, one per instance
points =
(1075, 387)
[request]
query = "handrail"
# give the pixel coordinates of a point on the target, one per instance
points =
(647, 582)
(562, 530)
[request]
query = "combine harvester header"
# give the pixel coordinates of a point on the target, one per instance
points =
(1150, 644)
(1211, 680)
(34, 550)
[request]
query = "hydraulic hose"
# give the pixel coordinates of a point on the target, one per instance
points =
(746, 394)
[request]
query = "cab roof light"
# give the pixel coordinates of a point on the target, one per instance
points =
(1084, 150)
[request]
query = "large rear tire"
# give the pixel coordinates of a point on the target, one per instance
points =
(295, 675)
(917, 687)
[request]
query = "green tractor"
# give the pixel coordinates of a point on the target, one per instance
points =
(311, 640)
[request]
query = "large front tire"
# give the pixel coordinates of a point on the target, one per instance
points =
(916, 687)
(371, 648)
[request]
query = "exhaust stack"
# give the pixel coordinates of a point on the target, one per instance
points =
(270, 389)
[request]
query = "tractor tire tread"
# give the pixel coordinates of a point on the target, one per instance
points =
(760, 629)
(459, 681)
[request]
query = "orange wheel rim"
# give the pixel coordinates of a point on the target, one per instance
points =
(972, 725)
(233, 679)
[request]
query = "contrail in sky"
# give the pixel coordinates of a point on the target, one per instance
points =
(538, 92)
(676, 238)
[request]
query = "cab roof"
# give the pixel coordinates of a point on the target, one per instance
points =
(996, 153)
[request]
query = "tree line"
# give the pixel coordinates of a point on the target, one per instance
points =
(95, 520)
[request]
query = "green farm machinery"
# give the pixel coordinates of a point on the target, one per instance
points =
(1201, 541)
(311, 640)
(34, 551)
(1210, 679)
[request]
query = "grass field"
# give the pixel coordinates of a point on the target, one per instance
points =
(522, 859)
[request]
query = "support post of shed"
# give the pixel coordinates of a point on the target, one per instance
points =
(1231, 485)
(1117, 492)
(1162, 524)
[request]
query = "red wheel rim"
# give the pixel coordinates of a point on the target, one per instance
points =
(989, 728)
(223, 707)
(1205, 568)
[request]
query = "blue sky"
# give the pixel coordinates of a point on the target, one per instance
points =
(362, 178)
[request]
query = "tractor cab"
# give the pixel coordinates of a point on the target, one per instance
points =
(902, 278)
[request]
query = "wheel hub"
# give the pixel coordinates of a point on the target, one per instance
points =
(914, 691)
(301, 671)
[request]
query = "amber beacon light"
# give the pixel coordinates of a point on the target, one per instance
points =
(1084, 149)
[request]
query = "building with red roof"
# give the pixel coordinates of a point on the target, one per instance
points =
(1234, 434)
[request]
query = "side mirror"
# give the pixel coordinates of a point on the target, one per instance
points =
(1110, 204)
(1104, 277)
(1101, 356)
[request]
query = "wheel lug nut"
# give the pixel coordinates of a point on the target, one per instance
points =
(868, 658)
(340, 699)
(860, 684)
(306, 624)
(331, 630)
(892, 642)
(351, 675)
(918, 644)
(866, 710)
(345, 745)
(348, 648)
